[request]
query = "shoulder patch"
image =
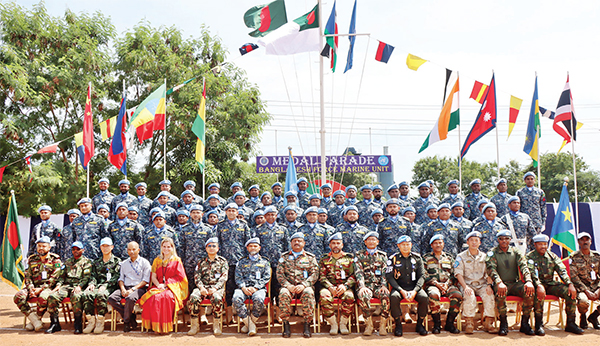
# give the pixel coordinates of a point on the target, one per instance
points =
(530, 261)
(490, 253)
(389, 262)
(355, 259)
(456, 263)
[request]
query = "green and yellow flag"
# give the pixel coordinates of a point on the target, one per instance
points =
(13, 270)
(199, 129)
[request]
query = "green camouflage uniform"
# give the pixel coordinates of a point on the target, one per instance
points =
(504, 267)
(73, 273)
(585, 274)
(209, 274)
(441, 271)
(542, 270)
(334, 272)
(297, 270)
(35, 278)
(370, 274)
(105, 279)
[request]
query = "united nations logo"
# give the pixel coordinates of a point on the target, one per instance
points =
(383, 160)
(264, 161)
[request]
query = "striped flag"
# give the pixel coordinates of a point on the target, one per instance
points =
(563, 232)
(107, 128)
(150, 115)
(331, 28)
(533, 128)
(88, 128)
(515, 106)
(80, 149)
(478, 92)
(384, 52)
(199, 129)
(28, 163)
(565, 114)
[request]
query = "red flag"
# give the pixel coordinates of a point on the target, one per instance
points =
(146, 131)
(117, 153)
(49, 149)
(478, 92)
(88, 129)
(565, 115)
(486, 119)
(2, 173)
(28, 163)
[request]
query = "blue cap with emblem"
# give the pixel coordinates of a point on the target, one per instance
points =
(297, 235)
(335, 236)
(44, 207)
(339, 192)
(196, 207)
(236, 184)
(481, 202)
(302, 180)
(121, 205)
(254, 240)
(392, 201)
(366, 187)
(423, 184)
(154, 210)
(512, 199)
(315, 196)
(431, 207)
(403, 183)
(457, 204)
(475, 181)
(239, 193)
(84, 200)
(403, 238)
(255, 186)
(163, 193)
(290, 193)
(159, 214)
(371, 234)
(258, 213)
(322, 211)
(377, 187)
(183, 212)
(473, 234)
(501, 180)
(410, 208)
(266, 193)
(212, 240)
(106, 241)
(43, 239)
(103, 180)
(74, 211)
(270, 209)
(453, 181)
(351, 187)
(436, 237)
(214, 211)
(288, 208)
(77, 244)
(376, 211)
(348, 208)
(326, 185)
(443, 205)
(142, 184)
(214, 195)
(124, 181)
(276, 184)
(189, 183)
(529, 174)
(242, 212)
(488, 206)
(165, 182)
(102, 206)
(217, 185)
(312, 209)
(186, 192)
(540, 238)
(392, 187)
(133, 208)
(504, 233)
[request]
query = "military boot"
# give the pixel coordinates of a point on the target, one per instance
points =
(420, 328)
(383, 326)
(218, 325)
(334, 326)
(437, 323)
(398, 329)
(539, 325)
(488, 325)
(503, 331)
(91, 324)
(572, 327)
(252, 325)
(36, 321)
(54, 324)
(583, 324)
(593, 319)
(449, 327)
(344, 325)
(286, 329)
(195, 325)
(306, 333)
(78, 323)
(469, 325)
(99, 325)
(369, 326)
(525, 327)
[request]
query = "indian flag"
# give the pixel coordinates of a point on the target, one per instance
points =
(300, 35)
(449, 117)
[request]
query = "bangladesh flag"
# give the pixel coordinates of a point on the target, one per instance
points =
(265, 18)
(12, 252)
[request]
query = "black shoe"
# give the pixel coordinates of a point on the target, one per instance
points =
(593, 319)
(133, 322)
(583, 321)
(420, 328)
(539, 325)
(127, 327)
(78, 324)
(54, 325)
(449, 327)
(437, 324)
(286, 329)
(525, 327)
(572, 327)
(398, 329)
(306, 332)
(503, 331)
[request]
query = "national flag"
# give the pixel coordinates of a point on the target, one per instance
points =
(149, 115)
(247, 48)
(479, 90)
(117, 153)
(351, 30)
(486, 119)
(88, 128)
(28, 163)
(384, 51)
(449, 117)
(515, 106)
(563, 232)
(300, 35)
(2, 173)
(291, 179)
(179, 86)
(107, 128)
(199, 129)
(265, 18)
(546, 113)
(49, 149)
(533, 128)
(565, 114)
(448, 75)
(11, 265)
(331, 28)
(414, 62)
(80, 149)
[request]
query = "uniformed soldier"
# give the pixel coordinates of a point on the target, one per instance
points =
(370, 265)
(533, 202)
(431, 211)
(213, 204)
(239, 198)
(489, 227)
(40, 278)
(378, 196)
(235, 187)
(215, 189)
(448, 228)
(290, 220)
(164, 205)
(292, 202)
(103, 282)
(520, 225)
(352, 231)
(322, 217)
(457, 215)
(193, 238)
(63, 244)
(409, 214)
(351, 193)
(123, 197)
(266, 200)
(190, 185)
(277, 197)
(273, 242)
(542, 266)
(501, 198)
(187, 200)
(104, 196)
(405, 199)
(326, 191)
(122, 231)
(153, 236)
(89, 228)
(504, 265)
(585, 274)
(212, 220)
(297, 272)
(143, 204)
(165, 186)
(252, 275)
(183, 216)
(482, 203)
(210, 277)
(393, 191)
(392, 227)
(302, 193)
(406, 274)
(366, 206)
(376, 216)
(336, 208)
(337, 280)
(75, 274)
(44, 228)
(315, 235)
(104, 211)
(424, 201)
(470, 271)
(313, 201)
(254, 200)
(453, 193)
(440, 282)
(133, 213)
(471, 210)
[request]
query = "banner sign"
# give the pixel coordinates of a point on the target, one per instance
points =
(334, 164)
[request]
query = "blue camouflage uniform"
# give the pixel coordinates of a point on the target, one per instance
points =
(102, 197)
(488, 233)
(170, 215)
(192, 241)
(152, 239)
(533, 203)
(471, 210)
(450, 230)
(89, 229)
(281, 216)
(315, 239)
(390, 229)
(232, 235)
(251, 273)
(352, 236)
(126, 198)
(365, 208)
(273, 241)
(143, 205)
(173, 201)
(303, 199)
(334, 214)
(220, 214)
(451, 199)
(420, 205)
(44, 228)
(122, 232)
(252, 202)
(501, 202)
(522, 225)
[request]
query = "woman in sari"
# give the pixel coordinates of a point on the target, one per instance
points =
(169, 288)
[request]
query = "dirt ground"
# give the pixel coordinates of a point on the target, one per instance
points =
(12, 332)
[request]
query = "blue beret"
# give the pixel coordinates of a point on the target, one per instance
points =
(159, 214)
(254, 240)
(431, 206)
(371, 234)
(457, 204)
(106, 241)
(315, 196)
(121, 205)
(102, 206)
(392, 201)
(165, 182)
(475, 181)
(241, 212)
(392, 187)
(290, 193)
(270, 209)
(155, 210)
(266, 193)
(44, 207)
(133, 208)
(322, 211)
(255, 186)
(489, 205)
(231, 206)
(376, 211)
(443, 205)
(502, 180)
(436, 237)
(84, 200)
(529, 174)
(288, 208)
(424, 184)
(142, 184)
(43, 239)
(214, 211)
(513, 198)
(409, 208)
(214, 195)
(163, 193)
(103, 180)
(124, 181)
(540, 238)
(217, 185)
(367, 187)
(236, 184)
(403, 238)
(351, 187)
(276, 184)
(312, 209)
(326, 185)
(339, 192)
(239, 193)
(473, 234)
(335, 236)
(430, 182)
(453, 181)
(504, 233)
(303, 179)
(583, 234)
(257, 213)
(183, 212)
(196, 207)
(189, 182)
(74, 211)
(403, 183)
(186, 192)
(348, 208)
(482, 201)
(211, 240)
(377, 187)
(77, 244)
(297, 235)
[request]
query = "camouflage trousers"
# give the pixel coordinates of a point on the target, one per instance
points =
(561, 291)
(258, 302)
(326, 301)
(583, 303)
(453, 293)
(58, 296)
(364, 300)
(96, 301)
(42, 301)
(216, 300)
(307, 297)
(514, 289)
(470, 302)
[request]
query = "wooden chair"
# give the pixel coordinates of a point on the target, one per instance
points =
(297, 303)
(114, 314)
(519, 311)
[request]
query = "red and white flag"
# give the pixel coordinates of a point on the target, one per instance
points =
(565, 114)
(28, 163)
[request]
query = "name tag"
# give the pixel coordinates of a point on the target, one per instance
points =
(414, 276)
(343, 274)
(257, 275)
(377, 272)
(45, 275)
(305, 274)
(593, 275)
(108, 276)
(217, 275)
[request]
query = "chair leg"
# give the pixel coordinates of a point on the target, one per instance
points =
(269, 318)
(356, 315)
(459, 320)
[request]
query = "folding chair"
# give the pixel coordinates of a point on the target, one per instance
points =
(267, 303)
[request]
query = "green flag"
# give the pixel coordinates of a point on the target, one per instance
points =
(265, 18)
(198, 128)
(12, 252)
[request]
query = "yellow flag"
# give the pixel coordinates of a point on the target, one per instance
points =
(107, 128)
(414, 62)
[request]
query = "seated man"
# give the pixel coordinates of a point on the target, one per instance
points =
(504, 266)
(585, 274)
(134, 276)
(210, 278)
(252, 275)
(405, 273)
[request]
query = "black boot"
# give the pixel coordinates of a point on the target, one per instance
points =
(54, 324)
(583, 321)
(593, 319)
(503, 331)
(437, 323)
(539, 325)
(450, 323)
(286, 329)
(78, 324)
(133, 322)
(525, 327)
(572, 327)
(306, 332)
(420, 328)
(398, 329)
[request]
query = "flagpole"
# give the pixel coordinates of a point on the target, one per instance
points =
(165, 140)
(204, 168)
(322, 100)
(88, 166)
(574, 162)
(538, 159)
(459, 141)
(121, 130)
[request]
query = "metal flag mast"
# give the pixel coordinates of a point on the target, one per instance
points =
(576, 219)
(88, 166)
(165, 139)
(322, 100)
